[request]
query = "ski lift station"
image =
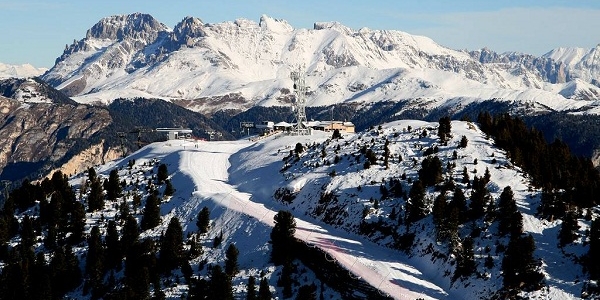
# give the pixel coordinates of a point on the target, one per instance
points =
(176, 133)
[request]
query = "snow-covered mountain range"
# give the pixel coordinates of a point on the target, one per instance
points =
(199, 64)
(240, 64)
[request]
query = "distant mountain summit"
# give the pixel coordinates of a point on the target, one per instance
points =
(20, 71)
(200, 65)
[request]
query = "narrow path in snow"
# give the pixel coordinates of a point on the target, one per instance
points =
(208, 167)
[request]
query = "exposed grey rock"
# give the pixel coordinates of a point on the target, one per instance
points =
(43, 133)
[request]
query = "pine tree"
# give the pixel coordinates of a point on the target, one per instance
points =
(444, 129)
(113, 186)
(463, 142)
(465, 174)
(336, 134)
(251, 290)
(431, 171)
(162, 173)
(285, 279)
(77, 223)
(416, 206)
(465, 262)
(439, 213)
(94, 268)
(171, 246)
(169, 189)
(480, 197)
(130, 234)
(95, 197)
(282, 237)
(220, 286)
(203, 220)
(151, 216)
(568, 228)
(41, 285)
(507, 208)
(264, 290)
(13, 277)
(519, 268)
(27, 234)
(459, 201)
(113, 252)
(137, 271)
(231, 260)
(65, 272)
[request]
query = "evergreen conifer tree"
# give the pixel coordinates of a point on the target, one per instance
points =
(130, 234)
(162, 173)
(568, 228)
(94, 268)
(444, 129)
(231, 260)
(203, 220)
(113, 186)
(95, 197)
(113, 252)
(151, 216)
(519, 267)
(465, 262)
(282, 237)
(264, 290)
(459, 201)
(417, 206)
(77, 223)
(251, 290)
(171, 246)
(220, 284)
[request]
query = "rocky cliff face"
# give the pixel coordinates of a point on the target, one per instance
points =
(38, 136)
(545, 67)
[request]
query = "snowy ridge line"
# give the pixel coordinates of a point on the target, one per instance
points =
(251, 63)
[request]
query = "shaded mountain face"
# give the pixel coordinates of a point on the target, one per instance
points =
(241, 64)
(41, 136)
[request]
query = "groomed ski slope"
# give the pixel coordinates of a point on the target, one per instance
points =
(206, 166)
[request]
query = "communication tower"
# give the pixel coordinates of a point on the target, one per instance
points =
(300, 89)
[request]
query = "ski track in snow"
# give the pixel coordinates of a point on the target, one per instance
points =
(207, 167)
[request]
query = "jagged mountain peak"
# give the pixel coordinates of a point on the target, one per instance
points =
(119, 27)
(337, 26)
(189, 28)
(274, 25)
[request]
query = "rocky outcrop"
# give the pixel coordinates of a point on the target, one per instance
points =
(39, 136)
(546, 68)
(93, 156)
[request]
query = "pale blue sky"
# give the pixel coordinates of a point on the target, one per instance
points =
(36, 31)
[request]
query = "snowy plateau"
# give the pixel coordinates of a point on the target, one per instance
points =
(238, 182)
(197, 64)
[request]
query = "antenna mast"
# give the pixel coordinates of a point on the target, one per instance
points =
(300, 89)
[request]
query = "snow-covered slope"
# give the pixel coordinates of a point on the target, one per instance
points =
(20, 71)
(239, 181)
(136, 56)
